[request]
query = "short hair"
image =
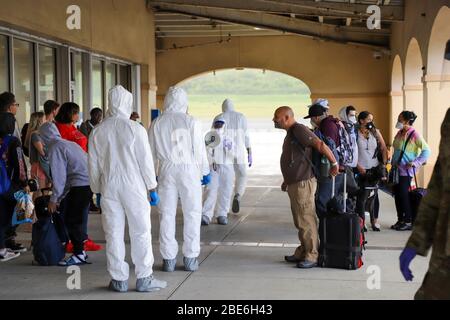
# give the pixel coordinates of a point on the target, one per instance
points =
(350, 109)
(409, 116)
(50, 106)
(67, 111)
(287, 110)
(6, 100)
(96, 111)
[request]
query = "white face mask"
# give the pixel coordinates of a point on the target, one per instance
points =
(353, 120)
(399, 126)
(314, 125)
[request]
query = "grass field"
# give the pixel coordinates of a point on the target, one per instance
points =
(262, 106)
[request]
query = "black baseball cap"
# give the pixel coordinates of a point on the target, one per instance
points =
(316, 110)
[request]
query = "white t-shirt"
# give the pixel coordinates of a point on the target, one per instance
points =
(366, 151)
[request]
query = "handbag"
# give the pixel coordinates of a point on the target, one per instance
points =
(394, 174)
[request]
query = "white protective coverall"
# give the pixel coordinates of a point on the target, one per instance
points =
(222, 177)
(178, 148)
(121, 169)
(237, 131)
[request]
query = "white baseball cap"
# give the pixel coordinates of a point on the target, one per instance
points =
(323, 102)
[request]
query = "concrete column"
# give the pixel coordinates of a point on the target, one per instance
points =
(397, 106)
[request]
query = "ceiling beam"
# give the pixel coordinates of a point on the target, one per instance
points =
(310, 8)
(362, 36)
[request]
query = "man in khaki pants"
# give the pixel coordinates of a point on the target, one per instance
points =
(301, 184)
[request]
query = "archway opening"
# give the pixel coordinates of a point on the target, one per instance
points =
(413, 88)
(256, 93)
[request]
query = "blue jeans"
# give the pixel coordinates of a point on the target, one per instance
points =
(324, 193)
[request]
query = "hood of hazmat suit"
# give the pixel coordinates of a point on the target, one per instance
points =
(121, 169)
(237, 131)
(178, 145)
(227, 106)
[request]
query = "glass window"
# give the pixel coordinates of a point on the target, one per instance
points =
(110, 80)
(125, 77)
(23, 79)
(97, 84)
(4, 78)
(77, 78)
(47, 71)
(111, 76)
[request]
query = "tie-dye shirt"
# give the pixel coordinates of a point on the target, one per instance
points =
(417, 151)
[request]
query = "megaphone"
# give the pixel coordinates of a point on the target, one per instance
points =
(212, 139)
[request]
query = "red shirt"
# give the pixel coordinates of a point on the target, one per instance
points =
(71, 133)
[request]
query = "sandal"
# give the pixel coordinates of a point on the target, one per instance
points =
(74, 260)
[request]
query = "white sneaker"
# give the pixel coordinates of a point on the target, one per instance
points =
(8, 255)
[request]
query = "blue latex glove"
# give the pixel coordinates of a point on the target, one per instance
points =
(154, 198)
(250, 160)
(406, 257)
(206, 180)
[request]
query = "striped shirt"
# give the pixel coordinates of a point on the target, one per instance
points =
(417, 151)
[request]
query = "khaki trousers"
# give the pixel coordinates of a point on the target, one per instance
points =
(302, 196)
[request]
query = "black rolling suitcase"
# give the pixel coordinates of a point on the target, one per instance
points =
(341, 238)
(415, 198)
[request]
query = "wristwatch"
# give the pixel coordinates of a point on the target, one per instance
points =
(335, 164)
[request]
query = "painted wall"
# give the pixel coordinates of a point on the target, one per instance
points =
(118, 28)
(345, 74)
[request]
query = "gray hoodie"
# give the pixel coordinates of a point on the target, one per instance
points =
(68, 162)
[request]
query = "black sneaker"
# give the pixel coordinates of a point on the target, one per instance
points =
(396, 225)
(236, 204)
(404, 227)
(16, 247)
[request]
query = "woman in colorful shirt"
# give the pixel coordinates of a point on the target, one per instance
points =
(416, 154)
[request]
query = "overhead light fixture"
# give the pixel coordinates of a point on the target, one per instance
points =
(447, 51)
(256, 28)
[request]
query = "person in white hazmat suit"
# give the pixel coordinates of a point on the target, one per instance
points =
(121, 170)
(178, 148)
(222, 177)
(237, 131)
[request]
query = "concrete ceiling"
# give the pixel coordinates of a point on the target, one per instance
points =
(342, 21)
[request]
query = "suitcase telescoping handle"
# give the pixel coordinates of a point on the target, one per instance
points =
(333, 190)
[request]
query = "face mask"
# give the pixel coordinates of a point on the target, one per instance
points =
(353, 120)
(370, 126)
(399, 126)
(314, 125)
(277, 125)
